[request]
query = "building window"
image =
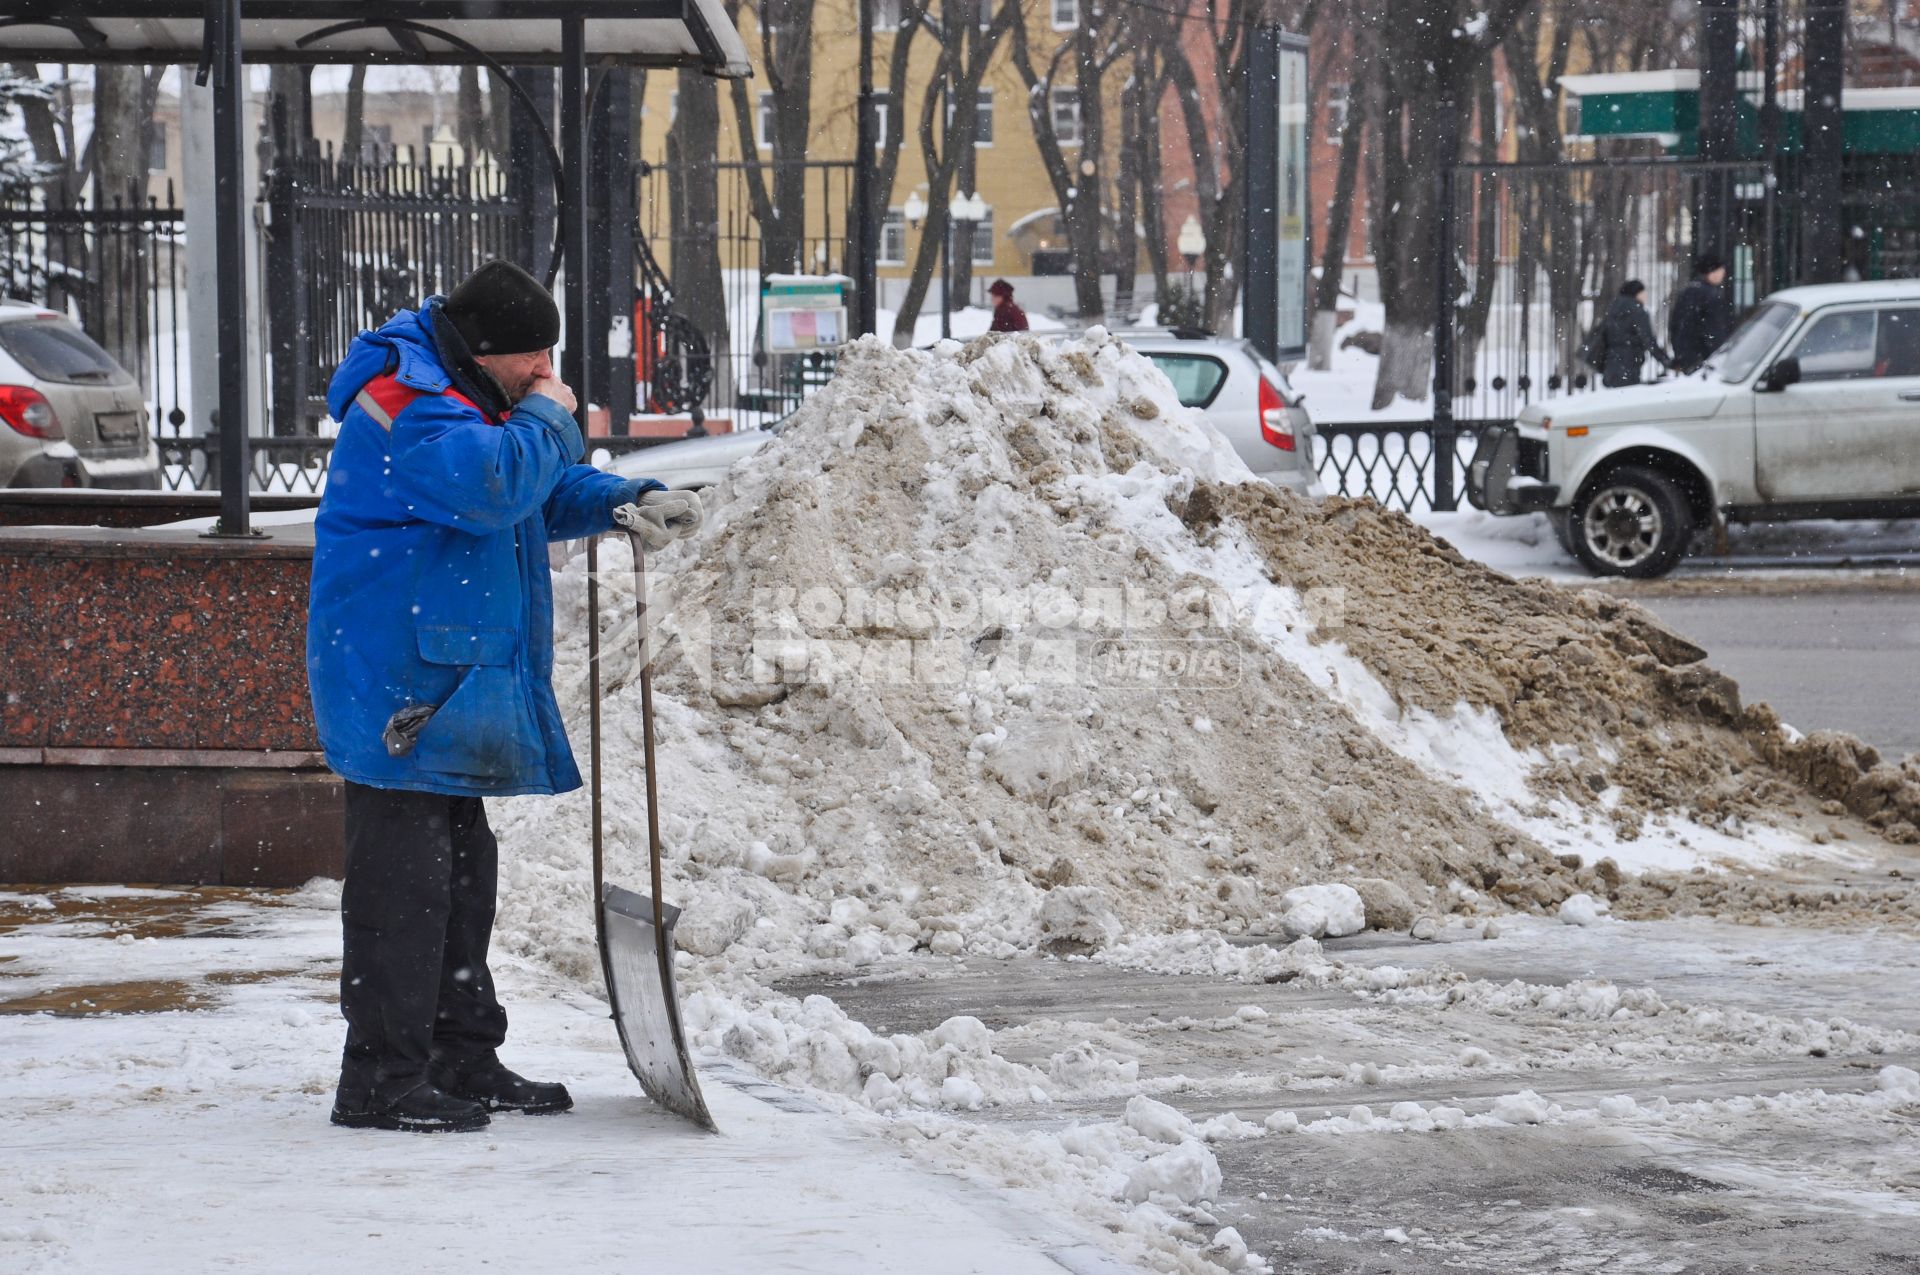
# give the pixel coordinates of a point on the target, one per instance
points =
(982, 239)
(157, 147)
(1066, 14)
(882, 118)
(886, 15)
(893, 238)
(1339, 102)
(1066, 116)
(763, 122)
(982, 118)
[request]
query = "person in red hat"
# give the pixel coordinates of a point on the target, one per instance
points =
(1007, 317)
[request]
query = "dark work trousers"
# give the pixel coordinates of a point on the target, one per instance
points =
(417, 912)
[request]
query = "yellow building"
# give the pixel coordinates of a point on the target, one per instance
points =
(1018, 239)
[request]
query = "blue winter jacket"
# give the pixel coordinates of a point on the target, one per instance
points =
(430, 577)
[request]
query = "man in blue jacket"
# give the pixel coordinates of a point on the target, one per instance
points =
(430, 658)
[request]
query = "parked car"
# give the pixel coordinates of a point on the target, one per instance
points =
(1244, 396)
(693, 462)
(1810, 410)
(73, 417)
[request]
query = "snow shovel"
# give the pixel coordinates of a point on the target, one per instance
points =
(635, 930)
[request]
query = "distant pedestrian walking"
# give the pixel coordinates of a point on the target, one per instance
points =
(1702, 314)
(1619, 345)
(1007, 317)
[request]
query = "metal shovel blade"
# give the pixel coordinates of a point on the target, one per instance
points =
(638, 960)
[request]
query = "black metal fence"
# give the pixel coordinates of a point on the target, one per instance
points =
(350, 243)
(1390, 462)
(718, 254)
(1542, 249)
(116, 267)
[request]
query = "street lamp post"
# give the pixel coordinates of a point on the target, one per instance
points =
(967, 212)
(1192, 245)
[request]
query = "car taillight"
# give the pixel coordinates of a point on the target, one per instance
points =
(27, 411)
(1275, 427)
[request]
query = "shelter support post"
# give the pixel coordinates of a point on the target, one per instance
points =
(230, 202)
(573, 152)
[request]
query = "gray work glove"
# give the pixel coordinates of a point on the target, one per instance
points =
(661, 517)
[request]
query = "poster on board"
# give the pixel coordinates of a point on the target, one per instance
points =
(1291, 228)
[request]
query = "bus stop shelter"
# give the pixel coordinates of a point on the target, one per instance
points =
(157, 725)
(220, 37)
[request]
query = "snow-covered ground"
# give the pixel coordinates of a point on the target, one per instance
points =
(189, 1132)
(1558, 1097)
(1084, 945)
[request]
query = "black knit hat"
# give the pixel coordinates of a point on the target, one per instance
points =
(501, 309)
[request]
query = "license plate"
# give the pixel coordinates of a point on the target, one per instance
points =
(117, 427)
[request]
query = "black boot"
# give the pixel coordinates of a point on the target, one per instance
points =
(485, 1081)
(421, 1109)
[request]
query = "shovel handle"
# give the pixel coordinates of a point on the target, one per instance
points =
(646, 727)
(593, 731)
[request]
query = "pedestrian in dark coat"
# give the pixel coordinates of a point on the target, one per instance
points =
(430, 662)
(1702, 314)
(1007, 317)
(1625, 338)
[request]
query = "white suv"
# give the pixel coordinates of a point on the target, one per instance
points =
(1810, 410)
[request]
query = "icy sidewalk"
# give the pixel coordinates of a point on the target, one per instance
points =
(169, 1058)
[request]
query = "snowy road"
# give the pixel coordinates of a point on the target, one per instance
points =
(1824, 658)
(1510, 1105)
(1710, 1136)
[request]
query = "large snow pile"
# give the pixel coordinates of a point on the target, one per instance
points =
(998, 648)
(1629, 719)
(950, 670)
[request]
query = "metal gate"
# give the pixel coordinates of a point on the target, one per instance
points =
(1541, 249)
(700, 221)
(116, 267)
(348, 244)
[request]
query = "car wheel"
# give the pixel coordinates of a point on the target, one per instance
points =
(1632, 521)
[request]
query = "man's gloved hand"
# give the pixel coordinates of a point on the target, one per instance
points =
(661, 517)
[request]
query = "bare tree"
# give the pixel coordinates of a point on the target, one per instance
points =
(965, 29)
(779, 206)
(1429, 53)
(1217, 178)
(470, 123)
(1333, 252)
(943, 141)
(694, 212)
(48, 121)
(1091, 49)
(20, 171)
(354, 133)
(115, 309)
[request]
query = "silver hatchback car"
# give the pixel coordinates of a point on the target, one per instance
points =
(1240, 393)
(69, 415)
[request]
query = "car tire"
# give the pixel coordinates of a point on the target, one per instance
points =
(1561, 521)
(1631, 521)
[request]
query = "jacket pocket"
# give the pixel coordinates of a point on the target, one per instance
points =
(482, 728)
